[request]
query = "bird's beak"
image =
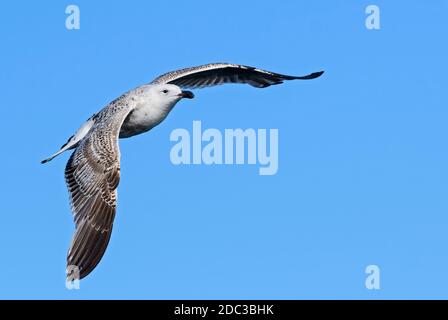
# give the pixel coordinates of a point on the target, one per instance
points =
(187, 94)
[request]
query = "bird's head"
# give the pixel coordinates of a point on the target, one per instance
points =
(168, 93)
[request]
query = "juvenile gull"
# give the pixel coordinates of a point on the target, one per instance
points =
(92, 173)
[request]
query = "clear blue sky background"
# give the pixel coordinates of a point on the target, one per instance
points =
(363, 163)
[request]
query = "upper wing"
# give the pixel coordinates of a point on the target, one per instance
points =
(219, 73)
(92, 175)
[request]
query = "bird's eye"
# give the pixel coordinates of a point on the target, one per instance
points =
(165, 91)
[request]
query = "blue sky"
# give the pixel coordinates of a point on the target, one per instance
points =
(363, 163)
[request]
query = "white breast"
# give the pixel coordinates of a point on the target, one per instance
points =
(145, 116)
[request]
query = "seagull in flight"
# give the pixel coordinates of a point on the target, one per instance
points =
(92, 172)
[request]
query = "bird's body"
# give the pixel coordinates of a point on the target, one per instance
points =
(93, 171)
(148, 110)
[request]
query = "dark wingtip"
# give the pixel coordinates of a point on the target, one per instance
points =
(46, 160)
(318, 74)
(313, 75)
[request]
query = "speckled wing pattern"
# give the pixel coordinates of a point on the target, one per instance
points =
(219, 73)
(92, 175)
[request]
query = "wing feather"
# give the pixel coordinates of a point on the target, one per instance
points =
(92, 175)
(219, 73)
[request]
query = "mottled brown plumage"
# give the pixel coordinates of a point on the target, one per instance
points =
(92, 175)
